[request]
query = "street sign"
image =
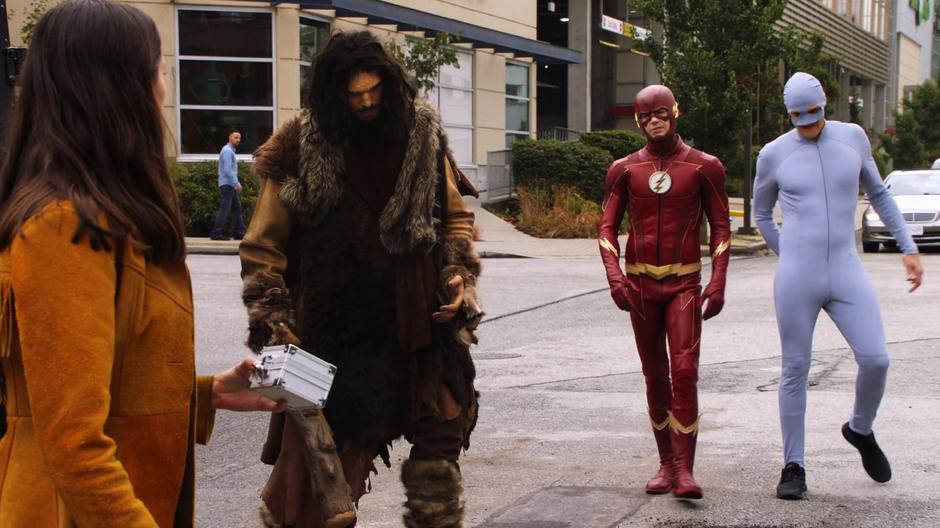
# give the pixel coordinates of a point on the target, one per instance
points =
(612, 24)
(615, 25)
(639, 32)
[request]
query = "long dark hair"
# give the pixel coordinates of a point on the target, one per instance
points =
(87, 128)
(345, 55)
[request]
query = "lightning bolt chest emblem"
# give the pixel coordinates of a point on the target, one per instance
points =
(660, 182)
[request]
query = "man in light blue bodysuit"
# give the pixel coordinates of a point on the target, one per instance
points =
(814, 172)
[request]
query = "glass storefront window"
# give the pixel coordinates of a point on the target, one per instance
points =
(456, 106)
(225, 33)
(226, 83)
(460, 141)
(517, 80)
(453, 96)
(226, 79)
(314, 35)
(517, 115)
(206, 131)
(517, 102)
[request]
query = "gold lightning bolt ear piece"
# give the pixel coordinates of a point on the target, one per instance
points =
(675, 110)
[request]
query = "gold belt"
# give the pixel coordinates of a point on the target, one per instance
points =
(660, 272)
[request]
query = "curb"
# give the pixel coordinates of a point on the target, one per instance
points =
(500, 254)
(750, 249)
(201, 247)
(211, 250)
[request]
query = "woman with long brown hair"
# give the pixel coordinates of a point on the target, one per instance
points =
(96, 333)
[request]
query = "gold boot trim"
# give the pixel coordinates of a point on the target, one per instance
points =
(662, 425)
(677, 426)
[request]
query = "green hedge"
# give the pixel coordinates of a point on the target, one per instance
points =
(197, 184)
(619, 143)
(547, 162)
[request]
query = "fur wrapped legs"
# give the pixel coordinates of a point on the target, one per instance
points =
(433, 489)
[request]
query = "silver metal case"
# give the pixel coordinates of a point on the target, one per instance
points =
(293, 374)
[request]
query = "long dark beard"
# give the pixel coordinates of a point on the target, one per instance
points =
(378, 132)
(368, 133)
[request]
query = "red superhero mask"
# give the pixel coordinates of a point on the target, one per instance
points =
(657, 101)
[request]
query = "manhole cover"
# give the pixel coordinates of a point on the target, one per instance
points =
(495, 355)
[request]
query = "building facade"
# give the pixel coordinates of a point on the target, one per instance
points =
(876, 45)
(913, 47)
(241, 65)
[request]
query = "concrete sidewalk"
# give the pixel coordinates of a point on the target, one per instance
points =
(500, 239)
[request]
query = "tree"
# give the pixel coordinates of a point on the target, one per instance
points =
(423, 57)
(722, 60)
(916, 142)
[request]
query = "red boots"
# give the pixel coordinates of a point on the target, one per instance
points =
(683, 445)
(662, 482)
(676, 445)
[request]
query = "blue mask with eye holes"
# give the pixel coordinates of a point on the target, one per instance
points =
(802, 93)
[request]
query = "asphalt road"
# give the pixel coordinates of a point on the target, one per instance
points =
(563, 439)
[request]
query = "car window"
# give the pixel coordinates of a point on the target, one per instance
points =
(908, 183)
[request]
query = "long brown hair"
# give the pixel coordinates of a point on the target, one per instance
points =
(87, 128)
(345, 55)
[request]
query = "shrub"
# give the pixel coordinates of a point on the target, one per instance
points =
(734, 171)
(556, 212)
(544, 163)
(619, 143)
(197, 184)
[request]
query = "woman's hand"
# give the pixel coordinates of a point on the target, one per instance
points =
(230, 391)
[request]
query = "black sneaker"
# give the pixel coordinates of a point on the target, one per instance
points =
(792, 482)
(873, 459)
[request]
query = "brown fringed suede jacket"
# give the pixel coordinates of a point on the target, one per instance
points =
(104, 404)
(357, 286)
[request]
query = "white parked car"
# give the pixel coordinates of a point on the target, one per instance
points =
(936, 164)
(917, 193)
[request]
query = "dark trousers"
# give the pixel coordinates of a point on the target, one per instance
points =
(229, 205)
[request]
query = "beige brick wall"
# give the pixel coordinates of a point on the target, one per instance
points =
(517, 17)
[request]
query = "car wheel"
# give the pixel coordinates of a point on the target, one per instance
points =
(870, 247)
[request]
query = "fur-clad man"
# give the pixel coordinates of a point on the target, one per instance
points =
(360, 247)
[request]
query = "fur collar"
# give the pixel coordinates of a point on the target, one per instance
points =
(407, 224)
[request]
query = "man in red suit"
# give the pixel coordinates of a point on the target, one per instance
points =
(665, 187)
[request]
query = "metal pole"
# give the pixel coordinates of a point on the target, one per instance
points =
(746, 229)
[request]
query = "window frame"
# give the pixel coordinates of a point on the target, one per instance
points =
(180, 107)
(300, 61)
(527, 100)
(439, 85)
